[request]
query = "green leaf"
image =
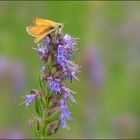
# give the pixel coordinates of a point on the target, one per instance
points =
(41, 129)
(49, 93)
(34, 127)
(50, 106)
(54, 116)
(38, 106)
(53, 70)
(44, 114)
(73, 99)
(41, 83)
(46, 131)
(44, 101)
(49, 62)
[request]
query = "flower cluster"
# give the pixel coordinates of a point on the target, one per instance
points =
(55, 50)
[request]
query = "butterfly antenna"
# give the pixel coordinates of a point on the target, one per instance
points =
(65, 22)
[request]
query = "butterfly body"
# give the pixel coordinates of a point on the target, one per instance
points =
(43, 27)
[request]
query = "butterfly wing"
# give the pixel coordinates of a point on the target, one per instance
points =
(36, 30)
(41, 21)
(38, 38)
(41, 28)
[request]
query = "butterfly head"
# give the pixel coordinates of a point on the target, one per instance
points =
(60, 28)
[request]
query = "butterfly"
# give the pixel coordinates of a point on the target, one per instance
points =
(43, 27)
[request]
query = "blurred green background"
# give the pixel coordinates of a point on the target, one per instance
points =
(108, 94)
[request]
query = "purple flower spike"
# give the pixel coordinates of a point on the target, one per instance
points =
(47, 40)
(65, 51)
(71, 72)
(63, 123)
(29, 99)
(54, 85)
(60, 58)
(43, 68)
(43, 51)
(66, 93)
(55, 50)
(68, 40)
(65, 114)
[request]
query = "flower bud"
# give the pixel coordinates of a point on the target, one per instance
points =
(53, 110)
(43, 68)
(53, 127)
(30, 122)
(54, 100)
(59, 74)
(37, 123)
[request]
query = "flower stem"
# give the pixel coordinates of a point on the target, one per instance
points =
(42, 137)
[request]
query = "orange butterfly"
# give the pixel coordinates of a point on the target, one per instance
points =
(43, 27)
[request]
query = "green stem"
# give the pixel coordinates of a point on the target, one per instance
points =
(42, 137)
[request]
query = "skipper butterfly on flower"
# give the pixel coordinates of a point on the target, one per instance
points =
(43, 27)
